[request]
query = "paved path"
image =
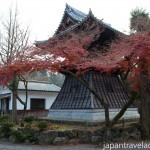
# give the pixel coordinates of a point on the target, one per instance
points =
(11, 146)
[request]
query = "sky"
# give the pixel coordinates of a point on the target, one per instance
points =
(44, 16)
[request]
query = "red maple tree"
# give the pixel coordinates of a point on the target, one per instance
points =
(23, 64)
(136, 59)
(136, 66)
(129, 56)
(69, 53)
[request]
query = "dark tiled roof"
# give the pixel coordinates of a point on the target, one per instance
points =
(110, 88)
(95, 19)
(80, 17)
(74, 13)
(39, 86)
(84, 18)
(74, 95)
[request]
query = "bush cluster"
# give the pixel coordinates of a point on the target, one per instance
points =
(6, 125)
(5, 118)
(29, 119)
(20, 135)
(42, 125)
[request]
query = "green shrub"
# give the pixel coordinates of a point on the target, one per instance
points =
(4, 118)
(29, 134)
(6, 128)
(18, 136)
(29, 119)
(42, 125)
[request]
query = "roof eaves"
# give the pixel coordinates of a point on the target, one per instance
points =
(39, 90)
(59, 24)
(103, 23)
(37, 43)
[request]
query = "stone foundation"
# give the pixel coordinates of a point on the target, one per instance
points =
(89, 115)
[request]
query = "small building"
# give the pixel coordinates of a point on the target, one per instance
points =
(75, 102)
(41, 95)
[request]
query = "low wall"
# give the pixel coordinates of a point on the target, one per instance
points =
(35, 113)
(89, 115)
(76, 136)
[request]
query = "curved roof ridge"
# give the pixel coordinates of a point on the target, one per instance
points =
(60, 22)
(72, 27)
(76, 14)
(72, 12)
(90, 14)
(103, 23)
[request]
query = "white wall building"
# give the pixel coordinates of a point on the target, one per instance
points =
(41, 95)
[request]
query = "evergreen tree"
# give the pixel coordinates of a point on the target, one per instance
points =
(139, 20)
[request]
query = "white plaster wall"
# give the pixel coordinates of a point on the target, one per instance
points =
(10, 102)
(48, 96)
(88, 114)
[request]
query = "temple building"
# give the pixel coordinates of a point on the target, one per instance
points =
(74, 101)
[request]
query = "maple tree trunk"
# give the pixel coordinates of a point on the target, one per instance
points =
(145, 106)
(123, 109)
(103, 102)
(25, 104)
(107, 119)
(24, 113)
(14, 86)
(14, 108)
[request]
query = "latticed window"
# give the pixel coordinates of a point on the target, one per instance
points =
(37, 103)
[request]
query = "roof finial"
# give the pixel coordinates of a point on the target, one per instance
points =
(90, 12)
(67, 5)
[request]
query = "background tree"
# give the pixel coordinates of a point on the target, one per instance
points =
(134, 67)
(55, 78)
(139, 20)
(13, 40)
